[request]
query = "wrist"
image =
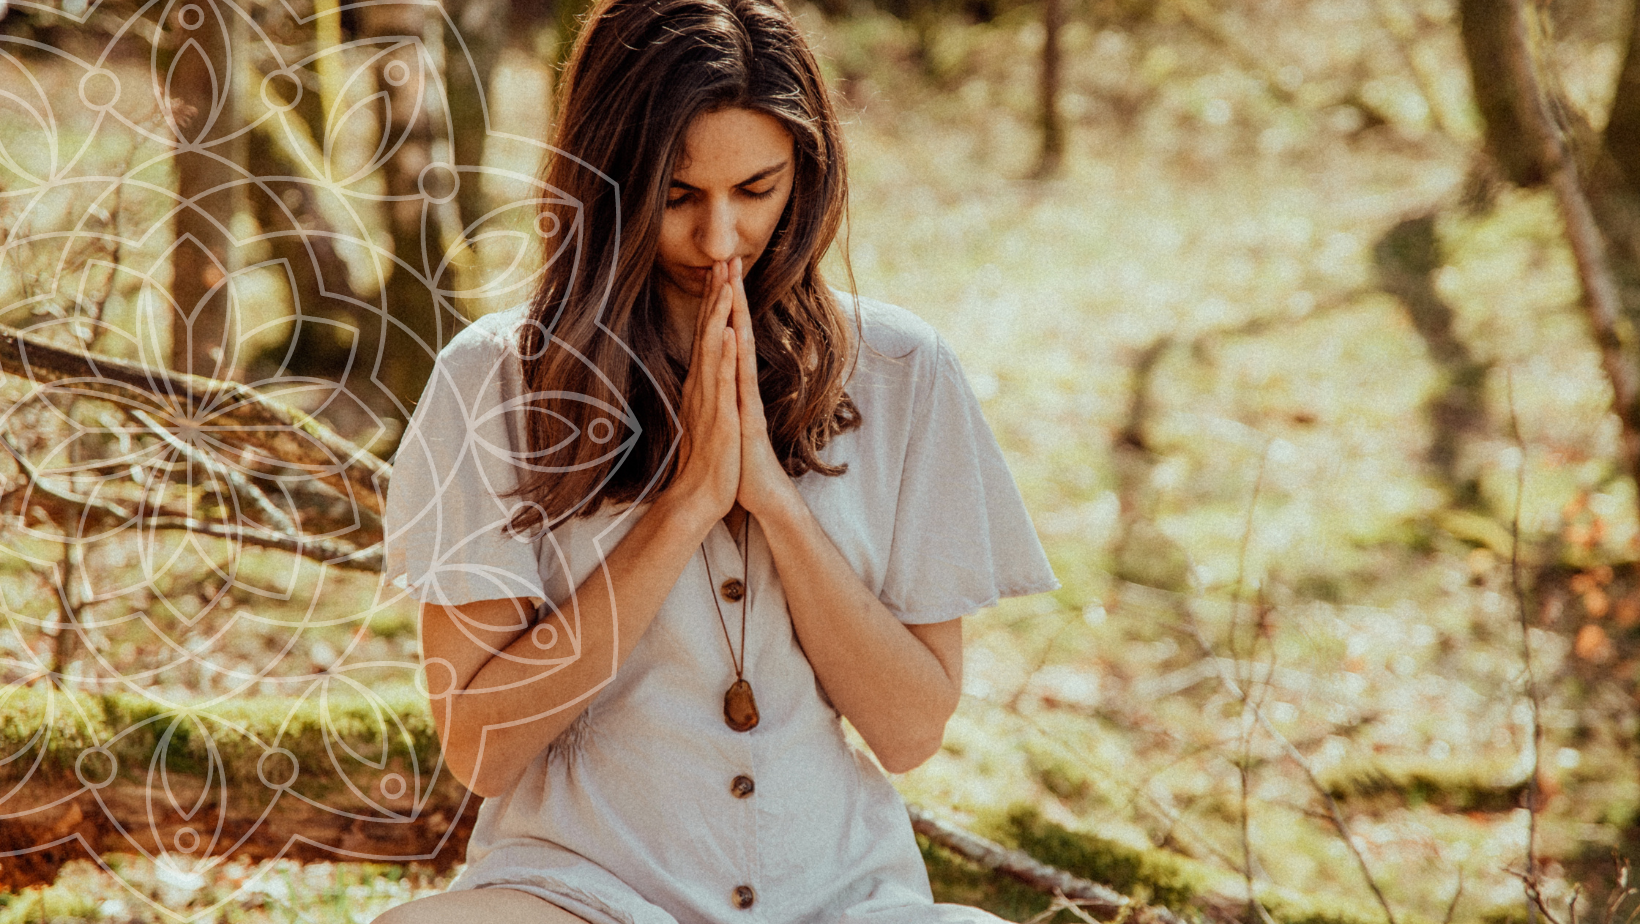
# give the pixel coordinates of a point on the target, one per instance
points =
(785, 512)
(684, 512)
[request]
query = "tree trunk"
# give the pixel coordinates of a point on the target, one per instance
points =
(339, 777)
(1622, 136)
(1051, 119)
(1485, 28)
(238, 414)
(421, 185)
(202, 115)
(484, 26)
(1597, 210)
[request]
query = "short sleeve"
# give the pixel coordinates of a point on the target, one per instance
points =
(445, 518)
(962, 538)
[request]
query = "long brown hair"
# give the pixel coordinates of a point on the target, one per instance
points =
(594, 354)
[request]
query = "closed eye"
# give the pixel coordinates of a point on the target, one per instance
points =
(679, 200)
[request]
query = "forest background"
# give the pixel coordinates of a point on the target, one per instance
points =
(1307, 327)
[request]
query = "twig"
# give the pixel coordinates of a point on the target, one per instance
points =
(1041, 660)
(1534, 897)
(1402, 36)
(1532, 694)
(241, 486)
(1334, 813)
(1619, 894)
(1201, 16)
(1603, 301)
(1249, 708)
(264, 423)
(70, 569)
(1137, 795)
(1452, 907)
(327, 551)
(1061, 903)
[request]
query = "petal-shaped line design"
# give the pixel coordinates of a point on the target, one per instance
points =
(37, 107)
(193, 54)
(107, 461)
(336, 735)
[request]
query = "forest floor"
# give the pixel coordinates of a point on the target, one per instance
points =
(1276, 597)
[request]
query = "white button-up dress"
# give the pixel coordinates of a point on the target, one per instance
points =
(635, 815)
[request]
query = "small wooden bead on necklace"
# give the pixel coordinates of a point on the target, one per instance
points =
(739, 706)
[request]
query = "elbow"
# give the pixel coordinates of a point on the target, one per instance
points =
(909, 755)
(485, 778)
(465, 757)
(485, 786)
(912, 750)
(919, 741)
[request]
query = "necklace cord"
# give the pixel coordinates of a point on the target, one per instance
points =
(745, 596)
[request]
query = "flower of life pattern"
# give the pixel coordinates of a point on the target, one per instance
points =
(186, 688)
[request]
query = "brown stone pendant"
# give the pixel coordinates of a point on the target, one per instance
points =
(739, 707)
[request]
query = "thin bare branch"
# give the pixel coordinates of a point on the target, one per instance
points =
(1249, 708)
(1394, 18)
(327, 551)
(256, 420)
(1452, 907)
(1603, 303)
(69, 571)
(1532, 693)
(246, 493)
(1334, 812)
(1535, 903)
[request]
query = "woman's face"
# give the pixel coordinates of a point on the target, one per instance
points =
(727, 194)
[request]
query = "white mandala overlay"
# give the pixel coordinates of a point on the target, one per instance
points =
(183, 673)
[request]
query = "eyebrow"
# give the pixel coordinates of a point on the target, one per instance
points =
(765, 173)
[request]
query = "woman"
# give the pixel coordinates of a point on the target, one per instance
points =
(641, 628)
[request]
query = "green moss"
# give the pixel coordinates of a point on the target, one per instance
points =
(1317, 911)
(960, 881)
(56, 904)
(232, 736)
(1066, 778)
(1415, 782)
(393, 622)
(1151, 876)
(1506, 914)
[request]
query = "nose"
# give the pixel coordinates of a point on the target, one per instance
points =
(717, 235)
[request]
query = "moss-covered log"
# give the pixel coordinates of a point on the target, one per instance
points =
(339, 774)
(348, 773)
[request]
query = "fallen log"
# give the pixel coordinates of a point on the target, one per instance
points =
(327, 775)
(1090, 896)
(320, 776)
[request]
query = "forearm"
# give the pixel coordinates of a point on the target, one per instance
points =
(884, 679)
(543, 677)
